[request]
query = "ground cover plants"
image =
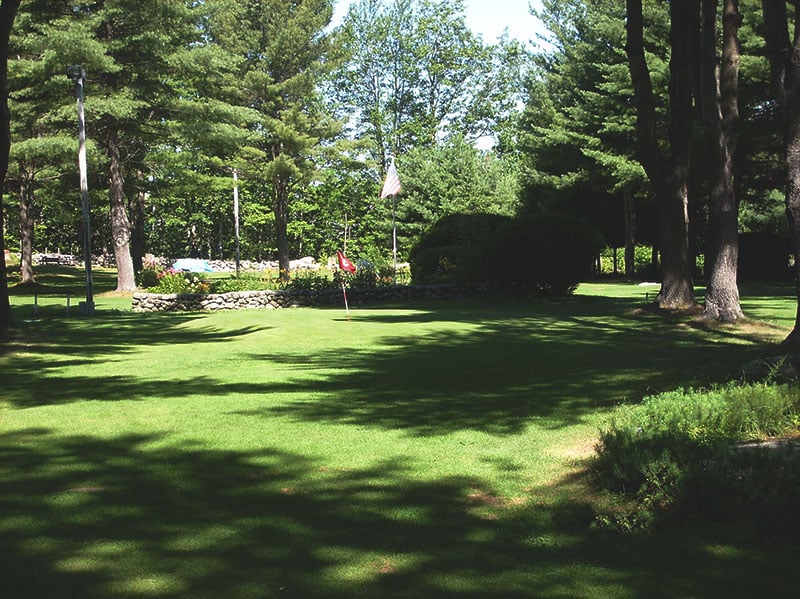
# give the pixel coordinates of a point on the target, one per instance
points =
(680, 455)
(434, 449)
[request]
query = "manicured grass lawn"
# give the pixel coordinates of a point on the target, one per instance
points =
(425, 450)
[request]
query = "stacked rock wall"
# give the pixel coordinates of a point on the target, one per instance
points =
(271, 300)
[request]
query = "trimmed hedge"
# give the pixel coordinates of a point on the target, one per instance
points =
(546, 254)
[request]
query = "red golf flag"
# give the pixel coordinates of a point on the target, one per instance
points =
(344, 263)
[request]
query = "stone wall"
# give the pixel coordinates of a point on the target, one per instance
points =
(271, 300)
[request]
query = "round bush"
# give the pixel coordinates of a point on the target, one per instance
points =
(543, 255)
(146, 278)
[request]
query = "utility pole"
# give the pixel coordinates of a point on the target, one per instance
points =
(236, 215)
(76, 73)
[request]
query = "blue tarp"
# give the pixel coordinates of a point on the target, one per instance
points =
(192, 265)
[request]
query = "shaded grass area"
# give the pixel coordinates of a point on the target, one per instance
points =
(47, 297)
(429, 370)
(61, 279)
(425, 450)
(97, 518)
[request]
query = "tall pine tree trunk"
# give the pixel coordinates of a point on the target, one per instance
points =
(719, 99)
(668, 177)
(8, 11)
(120, 225)
(281, 211)
(785, 70)
(26, 225)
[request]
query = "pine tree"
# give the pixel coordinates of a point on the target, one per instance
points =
(127, 50)
(283, 48)
(8, 11)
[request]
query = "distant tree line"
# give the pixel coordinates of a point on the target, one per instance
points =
(664, 124)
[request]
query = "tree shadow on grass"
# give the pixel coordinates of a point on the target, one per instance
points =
(59, 390)
(111, 334)
(36, 380)
(511, 368)
(129, 517)
(60, 280)
(556, 362)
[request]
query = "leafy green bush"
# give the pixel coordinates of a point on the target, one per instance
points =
(375, 273)
(545, 254)
(451, 264)
(458, 249)
(365, 277)
(401, 277)
(675, 452)
(172, 281)
(147, 278)
(643, 261)
(244, 282)
(310, 280)
(764, 484)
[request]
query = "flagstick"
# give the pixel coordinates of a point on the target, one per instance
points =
(394, 241)
(346, 307)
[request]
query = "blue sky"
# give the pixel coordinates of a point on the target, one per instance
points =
(488, 18)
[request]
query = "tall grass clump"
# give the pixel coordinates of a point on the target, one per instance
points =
(676, 454)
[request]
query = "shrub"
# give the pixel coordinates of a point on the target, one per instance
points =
(549, 253)
(173, 281)
(365, 277)
(309, 281)
(451, 264)
(244, 282)
(675, 453)
(643, 262)
(147, 278)
(764, 257)
(543, 255)
(457, 249)
(401, 277)
(382, 273)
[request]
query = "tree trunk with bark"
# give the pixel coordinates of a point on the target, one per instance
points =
(719, 100)
(280, 208)
(120, 225)
(26, 225)
(668, 177)
(784, 58)
(8, 11)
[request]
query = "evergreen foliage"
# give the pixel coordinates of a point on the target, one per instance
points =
(180, 95)
(578, 126)
(545, 255)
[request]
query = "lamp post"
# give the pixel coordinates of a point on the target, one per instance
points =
(76, 73)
